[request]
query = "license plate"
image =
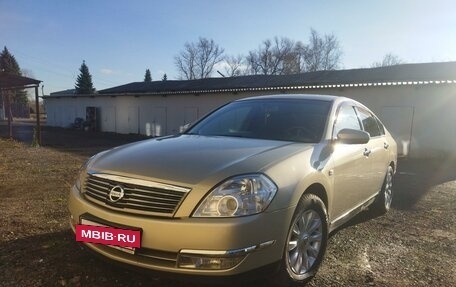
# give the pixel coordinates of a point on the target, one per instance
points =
(126, 240)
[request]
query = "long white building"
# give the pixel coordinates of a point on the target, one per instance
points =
(416, 102)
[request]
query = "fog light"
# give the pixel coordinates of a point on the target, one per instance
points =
(208, 263)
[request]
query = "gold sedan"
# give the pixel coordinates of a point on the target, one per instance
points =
(258, 183)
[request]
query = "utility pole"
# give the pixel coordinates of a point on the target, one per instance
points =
(37, 108)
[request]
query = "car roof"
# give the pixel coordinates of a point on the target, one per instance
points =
(327, 98)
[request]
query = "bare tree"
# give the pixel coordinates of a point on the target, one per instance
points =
(185, 62)
(293, 60)
(388, 60)
(197, 60)
(270, 58)
(282, 56)
(29, 74)
(235, 65)
(321, 53)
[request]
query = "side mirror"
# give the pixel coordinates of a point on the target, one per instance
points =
(350, 136)
(185, 127)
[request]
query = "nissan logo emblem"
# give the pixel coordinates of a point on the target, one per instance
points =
(116, 193)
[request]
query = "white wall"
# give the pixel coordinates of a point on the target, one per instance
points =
(427, 110)
(433, 132)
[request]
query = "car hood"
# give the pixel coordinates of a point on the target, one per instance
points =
(189, 159)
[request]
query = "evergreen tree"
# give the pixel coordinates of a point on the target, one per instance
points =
(165, 77)
(84, 83)
(147, 76)
(9, 65)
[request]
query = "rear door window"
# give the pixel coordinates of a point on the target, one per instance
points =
(381, 127)
(369, 122)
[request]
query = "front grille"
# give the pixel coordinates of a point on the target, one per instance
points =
(145, 256)
(144, 198)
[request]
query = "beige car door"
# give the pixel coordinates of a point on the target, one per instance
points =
(377, 151)
(351, 166)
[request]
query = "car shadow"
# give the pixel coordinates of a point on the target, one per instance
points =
(56, 259)
(413, 180)
(416, 177)
(363, 216)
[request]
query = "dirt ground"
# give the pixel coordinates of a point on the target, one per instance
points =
(413, 245)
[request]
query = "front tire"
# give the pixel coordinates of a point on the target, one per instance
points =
(306, 242)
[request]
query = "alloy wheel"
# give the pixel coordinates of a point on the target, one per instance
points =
(304, 242)
(388, 189)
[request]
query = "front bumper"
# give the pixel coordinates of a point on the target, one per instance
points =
(258, 239)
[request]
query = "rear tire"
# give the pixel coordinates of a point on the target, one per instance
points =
(306, 242)
(382, 203)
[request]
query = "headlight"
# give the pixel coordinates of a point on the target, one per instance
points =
(80, 178)
(238, 196)
(82, 173)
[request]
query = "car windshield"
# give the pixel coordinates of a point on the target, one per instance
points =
(299, 120)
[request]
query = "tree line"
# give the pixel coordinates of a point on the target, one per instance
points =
(201, 59)
(276, 56)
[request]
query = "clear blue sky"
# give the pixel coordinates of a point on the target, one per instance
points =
(120, 39)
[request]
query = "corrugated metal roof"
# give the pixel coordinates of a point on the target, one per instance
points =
(68, 92)
(404, 74)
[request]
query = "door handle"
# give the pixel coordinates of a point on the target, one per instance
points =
(367, 152)
(386, 145)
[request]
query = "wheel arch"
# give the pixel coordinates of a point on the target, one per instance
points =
(319, 190)
(393, 165)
